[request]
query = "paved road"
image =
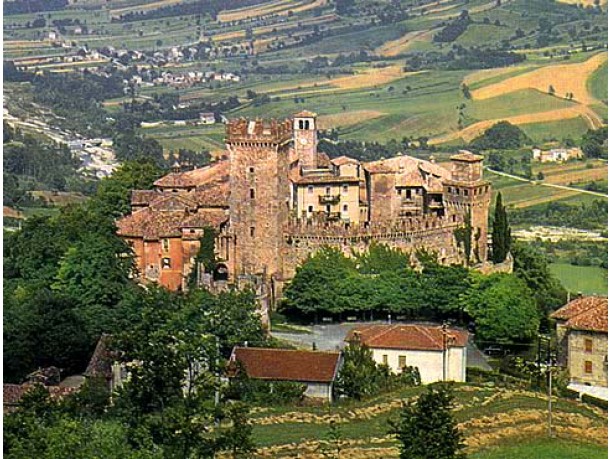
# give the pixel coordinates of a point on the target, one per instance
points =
(331, 338)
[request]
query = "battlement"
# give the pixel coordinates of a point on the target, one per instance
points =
(250, 132)
(316, 228)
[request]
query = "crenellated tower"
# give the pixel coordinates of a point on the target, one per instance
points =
(259, 193)
(468, 194)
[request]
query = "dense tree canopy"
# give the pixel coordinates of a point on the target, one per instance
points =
(503, 308)
(500, 136)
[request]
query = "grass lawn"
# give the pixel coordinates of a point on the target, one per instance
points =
(585, 279)
(555, 130)
(544, 449)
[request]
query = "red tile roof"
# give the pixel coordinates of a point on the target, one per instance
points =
(409, 337)
(12, 393)
(466, 156)
(586, 313)
(213, 173)
(287, 364)
(342, 160)
(314, 179)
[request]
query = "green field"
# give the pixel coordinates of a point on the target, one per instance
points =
(598, 83)
(589, 280)
(545, 449)
(555, 130)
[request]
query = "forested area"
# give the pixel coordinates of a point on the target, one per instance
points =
(592, 215)
(504, 307)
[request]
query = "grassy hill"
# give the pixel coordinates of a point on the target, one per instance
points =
(492, 419)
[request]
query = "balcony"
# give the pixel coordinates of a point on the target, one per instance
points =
(333, 216)
(329, 199)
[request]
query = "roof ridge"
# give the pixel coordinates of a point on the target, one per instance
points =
(286, 350)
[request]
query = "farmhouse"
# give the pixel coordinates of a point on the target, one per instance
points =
(556, 154)
(438, 352)
(582, 337)
(317, 370)
(275, 199)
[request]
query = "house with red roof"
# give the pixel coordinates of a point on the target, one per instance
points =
(440, 353)
(317, 370)
(582, 339)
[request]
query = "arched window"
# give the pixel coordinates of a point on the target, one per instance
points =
(301, 124)
(306, 124)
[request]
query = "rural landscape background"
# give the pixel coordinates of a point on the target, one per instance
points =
(90, 85)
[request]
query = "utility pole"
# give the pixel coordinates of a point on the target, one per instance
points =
(444, 340)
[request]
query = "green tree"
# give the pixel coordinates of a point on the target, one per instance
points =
(501, 232)
(381, 258)
(427, 429)
(503, 308)
(501, 136)
(114, 193)
(532, 267)
(206, 257)
(318, 283)
(359, 376)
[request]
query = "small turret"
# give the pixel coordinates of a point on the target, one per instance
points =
(305, 138)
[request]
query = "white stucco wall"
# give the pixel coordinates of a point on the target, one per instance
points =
(319, 390)
(429, 363)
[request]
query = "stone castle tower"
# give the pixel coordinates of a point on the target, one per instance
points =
(468, 193)
(259, 155)
(305, 139)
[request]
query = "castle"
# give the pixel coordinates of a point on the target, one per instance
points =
(275, 199)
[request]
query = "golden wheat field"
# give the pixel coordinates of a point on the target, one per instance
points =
(277, 7)
(401, 45)
(144, 7)
(370, 77)
(567, 78)
(474, 130)
(582, 2)
(485, 74)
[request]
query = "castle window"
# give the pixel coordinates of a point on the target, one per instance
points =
(310, 189)
(465, 192)
(399, 191)
(345, 189)
(328, 191)
(252, 193)
(408, 194)
(310, 209)
(306, 124)
(588, 367)
(165, 245)
(450, 189)
(251, 170)
(166, 263)
(588, 345)
(345, 208)
(252, 231)
(301, 124)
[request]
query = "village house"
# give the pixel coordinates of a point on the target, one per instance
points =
(582, 340)
(439, 353)
(317, 370)
(556, 154)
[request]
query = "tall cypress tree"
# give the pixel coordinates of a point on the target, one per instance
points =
(501, 232)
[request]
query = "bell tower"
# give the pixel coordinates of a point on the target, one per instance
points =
(305, 138)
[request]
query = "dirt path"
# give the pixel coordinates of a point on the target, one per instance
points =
(394, 47)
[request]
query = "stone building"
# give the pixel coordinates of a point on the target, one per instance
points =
(439, 353)
(582, 340)
(274, 199)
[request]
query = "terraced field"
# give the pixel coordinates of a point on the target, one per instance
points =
(490, 419)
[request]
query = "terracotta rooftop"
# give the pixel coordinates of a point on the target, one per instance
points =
(305, 114)
(101, 359)
(587, 313)
(12, 393)
(151, 224)
(341, 160)
(404, 164)
(322, 179)
(214, 173)
(287, 364)
(466, 156)
(408, 337)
